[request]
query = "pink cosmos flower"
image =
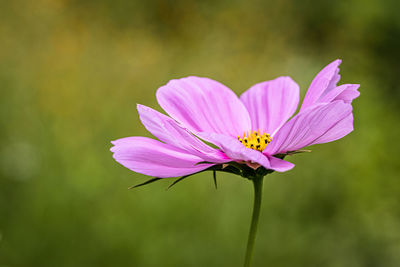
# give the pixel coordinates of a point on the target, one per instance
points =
(252, 132)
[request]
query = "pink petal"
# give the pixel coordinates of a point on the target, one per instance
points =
(350, 93)
(153, 158)
(204, 105)
(345, 92)
(337, 131)
(280, 165)
(168, 131)
(325, 81)
(236, 150)
(272, 103)
(319, 124)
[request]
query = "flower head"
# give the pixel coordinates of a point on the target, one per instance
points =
(252, 132)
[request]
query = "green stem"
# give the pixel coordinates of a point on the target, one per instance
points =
(258, 183)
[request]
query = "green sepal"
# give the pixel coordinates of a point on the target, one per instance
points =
(152, 180)
(215, 178)
(230, 167)
(179, 179)
(203, 162)
(289, 153)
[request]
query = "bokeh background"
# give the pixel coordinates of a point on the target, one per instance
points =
(71, 73)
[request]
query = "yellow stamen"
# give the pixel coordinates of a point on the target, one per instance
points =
(255, 140)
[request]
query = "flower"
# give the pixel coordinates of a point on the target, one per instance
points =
(254, 131)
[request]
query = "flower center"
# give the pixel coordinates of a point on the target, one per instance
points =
(255, 140)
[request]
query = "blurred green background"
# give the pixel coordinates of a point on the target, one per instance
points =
(71, 73)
